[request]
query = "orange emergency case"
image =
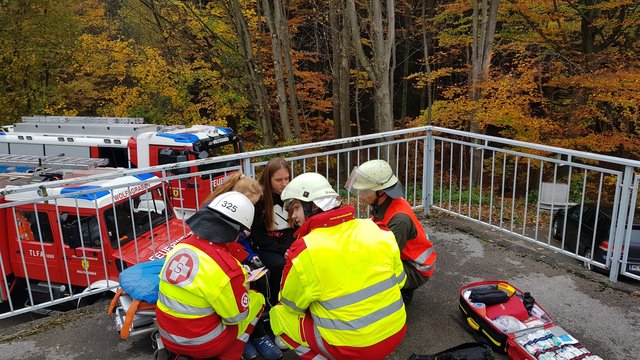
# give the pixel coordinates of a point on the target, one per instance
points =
(519, 339)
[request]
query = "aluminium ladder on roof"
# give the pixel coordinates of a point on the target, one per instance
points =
(86, 126)
(52, 162)
(81, 120)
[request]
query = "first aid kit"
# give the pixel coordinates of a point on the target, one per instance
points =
(514, 323)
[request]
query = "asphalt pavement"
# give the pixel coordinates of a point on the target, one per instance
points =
(603, 317)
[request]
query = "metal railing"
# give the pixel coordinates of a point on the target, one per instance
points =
(579, 204)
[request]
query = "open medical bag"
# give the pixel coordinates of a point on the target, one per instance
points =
(514, 323)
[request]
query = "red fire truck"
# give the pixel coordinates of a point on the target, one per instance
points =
(130, 143)
(59, 240)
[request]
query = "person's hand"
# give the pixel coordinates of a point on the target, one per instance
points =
(256, 262)
(247, 269)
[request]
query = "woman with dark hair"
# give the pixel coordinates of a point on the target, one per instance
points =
(271, 233)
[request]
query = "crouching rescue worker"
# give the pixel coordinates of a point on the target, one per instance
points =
(204, 309)
(379, 187)
(340, 291)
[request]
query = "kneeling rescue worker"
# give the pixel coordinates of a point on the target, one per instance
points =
(340, 291)
(204, 309)
(379, 187)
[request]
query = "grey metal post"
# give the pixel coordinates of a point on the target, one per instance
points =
(621, 224)
(246, 167)
(428, 172)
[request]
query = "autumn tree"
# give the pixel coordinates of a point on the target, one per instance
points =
(37, 44)
(485, 16)
(283, 67)
(378, 64)
(254, 69)
(560, 72)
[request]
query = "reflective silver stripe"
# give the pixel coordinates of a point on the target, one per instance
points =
(361, 322)
(301, 350)
(290, 304)
(244, 337)
(359, 295)
(320, 343)
(182, 308)
(236, 319)
(401, 278)
(424, 256)
(424, 268)
(203, 339)
(319, 357)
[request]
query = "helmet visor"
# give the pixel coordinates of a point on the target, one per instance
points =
(351, 180)
(359, 180)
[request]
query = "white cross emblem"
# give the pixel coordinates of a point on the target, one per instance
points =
(182, 267)
(179, 268)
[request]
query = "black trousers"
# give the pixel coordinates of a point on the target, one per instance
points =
(275, 263)
(414, 278)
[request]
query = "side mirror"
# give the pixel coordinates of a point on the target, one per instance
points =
(170, 156)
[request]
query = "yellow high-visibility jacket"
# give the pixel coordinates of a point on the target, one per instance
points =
(202, 295)
(348, 274)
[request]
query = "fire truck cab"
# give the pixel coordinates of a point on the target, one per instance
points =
(61, 240)
(130, 143)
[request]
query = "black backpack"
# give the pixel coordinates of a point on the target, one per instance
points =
(466, 351)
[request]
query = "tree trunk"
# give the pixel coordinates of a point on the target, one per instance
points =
(281, 25)
(392, 72)
(345, 77)
(588, 30)
(356, 97)
(278, 69)
(340, 41)
(335, 74)
(254, 70)
(167, 53)
(378, 67)
(427, 64)
(405, 67)
(482, 46)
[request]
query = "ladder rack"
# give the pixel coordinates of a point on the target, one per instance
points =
(80, 120)
(82, 126)
(52, 162)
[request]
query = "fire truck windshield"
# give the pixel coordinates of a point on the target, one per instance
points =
(134, 217)
(215, 150)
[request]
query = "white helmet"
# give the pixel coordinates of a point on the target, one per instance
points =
(375, 175)
(234, 206)
(311, 187)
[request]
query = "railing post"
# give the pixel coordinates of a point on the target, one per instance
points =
(621, 223)
(428, 173)
(246, 167)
